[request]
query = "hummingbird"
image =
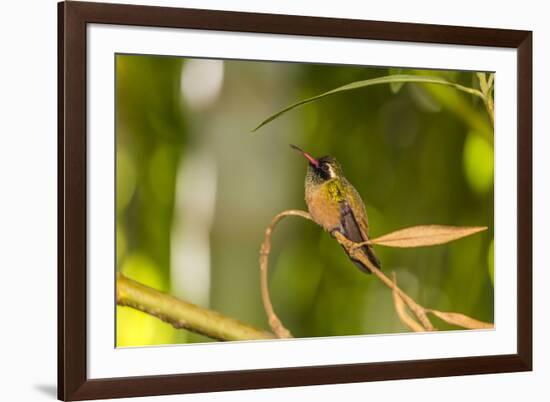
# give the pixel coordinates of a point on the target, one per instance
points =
(335, 205)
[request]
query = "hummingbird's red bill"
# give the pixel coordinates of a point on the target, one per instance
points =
(310, 158)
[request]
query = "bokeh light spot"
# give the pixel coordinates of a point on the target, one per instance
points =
(201, 82)
(120, 243)
(478, 160)
(125, 179)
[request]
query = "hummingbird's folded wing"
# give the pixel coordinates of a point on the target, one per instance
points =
(350, 225)
(356, 230)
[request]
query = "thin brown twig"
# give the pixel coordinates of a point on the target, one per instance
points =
(402, 311)
(356, 252)
(274, 321)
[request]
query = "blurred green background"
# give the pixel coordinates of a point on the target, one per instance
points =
(196, 189)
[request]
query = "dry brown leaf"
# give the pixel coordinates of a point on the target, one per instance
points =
(428, 235)
(462, 320)
(402, 311)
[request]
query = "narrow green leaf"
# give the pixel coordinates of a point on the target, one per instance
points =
(374, 81)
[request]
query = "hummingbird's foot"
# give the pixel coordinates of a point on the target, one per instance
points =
(334, 231)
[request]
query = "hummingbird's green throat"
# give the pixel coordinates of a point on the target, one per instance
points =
(335, 204)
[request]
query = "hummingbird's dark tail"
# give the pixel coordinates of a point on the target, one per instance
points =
(369, 252)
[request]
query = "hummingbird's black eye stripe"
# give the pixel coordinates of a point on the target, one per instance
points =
(324, 171)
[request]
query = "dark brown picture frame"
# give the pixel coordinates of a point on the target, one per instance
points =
(73, 17)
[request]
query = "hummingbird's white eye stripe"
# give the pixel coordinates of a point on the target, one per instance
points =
(331, 172)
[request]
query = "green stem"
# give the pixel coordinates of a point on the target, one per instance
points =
(486, 85)
(182, 314)
(490, 106)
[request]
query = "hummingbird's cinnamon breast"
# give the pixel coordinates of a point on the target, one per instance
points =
(323, 208)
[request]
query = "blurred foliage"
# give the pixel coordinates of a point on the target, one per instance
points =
(418, 154)
(150, 133)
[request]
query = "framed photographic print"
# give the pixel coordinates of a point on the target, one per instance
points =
(253, 200)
